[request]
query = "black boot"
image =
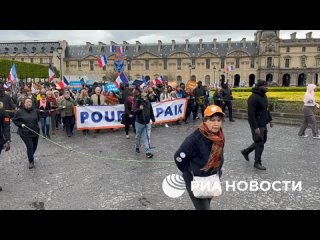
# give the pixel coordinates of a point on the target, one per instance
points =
(258, 165)
(245, 154)
(0, 188)
(31, 165)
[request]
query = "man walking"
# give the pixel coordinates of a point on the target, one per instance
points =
(144, 113)
(258, 117)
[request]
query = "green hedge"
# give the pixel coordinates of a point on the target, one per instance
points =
(25, 70)
(274, 89)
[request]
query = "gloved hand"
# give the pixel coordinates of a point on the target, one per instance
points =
(317, 105)
(271, 124)
(23, 125)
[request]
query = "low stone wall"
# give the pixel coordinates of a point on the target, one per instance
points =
(281, 118)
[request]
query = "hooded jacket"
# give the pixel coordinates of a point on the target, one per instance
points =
(258, 114)
(309, 98)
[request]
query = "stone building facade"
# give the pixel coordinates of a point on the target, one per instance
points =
(284, 62)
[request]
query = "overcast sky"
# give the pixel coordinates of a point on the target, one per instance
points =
(74, 37)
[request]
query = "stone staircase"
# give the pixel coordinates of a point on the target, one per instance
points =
(280, 118)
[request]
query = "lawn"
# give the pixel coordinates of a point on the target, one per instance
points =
(283, 96)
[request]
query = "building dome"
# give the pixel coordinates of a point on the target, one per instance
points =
(268, 34)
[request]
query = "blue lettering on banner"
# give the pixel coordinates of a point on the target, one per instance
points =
(96, 114)
(159, 111)
(84, 116)
(120, 115)
(168, 111)
(107, 116)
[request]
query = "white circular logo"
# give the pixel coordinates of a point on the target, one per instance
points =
(182, 154)
(179, 159)
(173, 186)
(214, 109)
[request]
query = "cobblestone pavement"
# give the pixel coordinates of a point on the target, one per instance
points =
(65, 180)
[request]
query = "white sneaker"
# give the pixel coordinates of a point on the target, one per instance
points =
(316, 137)
(304, 136)
(166, 125)
(127, 137)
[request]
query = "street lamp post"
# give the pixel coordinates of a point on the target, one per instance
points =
(214, 74)
(190, 67)
(128, 62)
(59, 49)
(304, 74)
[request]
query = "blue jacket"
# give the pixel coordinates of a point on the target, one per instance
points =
(193, 155)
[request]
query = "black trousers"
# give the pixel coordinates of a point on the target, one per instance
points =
(196, 111)
(31, 144)
(190, 109)
(69, 122)
(258, 144)
(228, 104)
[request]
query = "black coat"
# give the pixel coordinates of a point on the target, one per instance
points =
(258, 114)
(193, 155)
(143, 116)
(29, 117)
(4, 128)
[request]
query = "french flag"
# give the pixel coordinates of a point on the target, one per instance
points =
(102, 61)
(13, 74)
(112, 48)
(154, 82)
(121, 79)
(63, 83)
(230, 68)
(121, 50)
(51, 73)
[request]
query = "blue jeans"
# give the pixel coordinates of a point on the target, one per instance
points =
(141, 130)
(45, 125)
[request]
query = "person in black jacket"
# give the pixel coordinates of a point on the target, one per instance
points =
(128, 116)
(28, 117)
(144, 113)
(199, 93)
(258, 117)
(227, 97)
(201, 153)
(4, 131)
(8, 105)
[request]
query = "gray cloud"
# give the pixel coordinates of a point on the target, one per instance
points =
(75, 37)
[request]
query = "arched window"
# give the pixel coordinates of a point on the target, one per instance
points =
(179, 80)
(193, 77)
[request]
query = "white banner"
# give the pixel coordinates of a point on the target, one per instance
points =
(101, 117)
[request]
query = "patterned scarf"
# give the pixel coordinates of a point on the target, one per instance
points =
(112, 100)
(43, 103)
(217, 146)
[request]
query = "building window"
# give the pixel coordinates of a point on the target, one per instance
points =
(288, 49)
(165, 64)
(237, 62)
(287, 63)
(303, 49)
(252, 63)
(31, 60)
(33, 49)
(25, 49)
(43, 49)
(67, 63)
(179, 64)
(13, 59)
(147, 64)
(207, 63)
(303, 62)
(318, 49)
(269, 62)
(318, 62)
(193, 63)
(104, 68)
(129, 65)
(22, 59)
(50, 60)
(16, 49)
(222, 63)
(79, 65)
(41, 60)
(91, 66)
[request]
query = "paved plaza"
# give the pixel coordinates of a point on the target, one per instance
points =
(66, 180)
